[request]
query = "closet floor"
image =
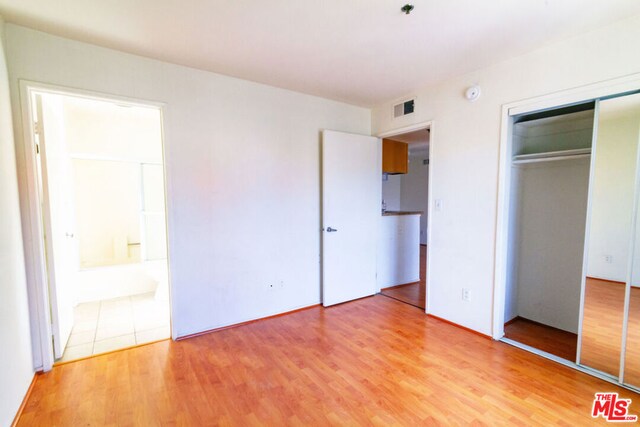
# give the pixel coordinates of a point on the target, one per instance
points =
(546, 338)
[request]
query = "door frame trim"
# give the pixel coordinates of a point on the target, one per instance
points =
(428, 124)
(32, 212)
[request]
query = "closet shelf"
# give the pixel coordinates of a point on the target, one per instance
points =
(549, 156)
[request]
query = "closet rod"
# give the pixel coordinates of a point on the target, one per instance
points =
(551, 159)
(556, 153)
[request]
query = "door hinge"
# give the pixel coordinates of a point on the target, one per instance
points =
(37, 148)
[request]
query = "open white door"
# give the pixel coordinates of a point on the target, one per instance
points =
(351, 203)
(58, 210)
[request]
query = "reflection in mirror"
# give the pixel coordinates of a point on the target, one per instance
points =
(609, 230)
(632, 353)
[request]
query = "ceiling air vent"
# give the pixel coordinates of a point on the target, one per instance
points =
(404, 108)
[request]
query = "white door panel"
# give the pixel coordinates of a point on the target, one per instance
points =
(351, 203)
(59, 219)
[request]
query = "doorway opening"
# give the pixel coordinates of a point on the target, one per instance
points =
(101, 191)
(402, 269)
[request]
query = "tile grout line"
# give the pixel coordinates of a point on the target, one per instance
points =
(133, 320)
(100, 311)
(95, 331)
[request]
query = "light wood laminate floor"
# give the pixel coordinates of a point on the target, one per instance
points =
(632, 359)
(412, 293)
(374, 361)
(602, 331)
(602, 325)
(552, 340)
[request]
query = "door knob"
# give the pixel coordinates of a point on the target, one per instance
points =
(331, 230)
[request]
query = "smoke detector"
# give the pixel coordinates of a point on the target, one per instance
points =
(472, 93)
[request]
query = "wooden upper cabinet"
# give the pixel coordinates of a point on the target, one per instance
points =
(395, 156)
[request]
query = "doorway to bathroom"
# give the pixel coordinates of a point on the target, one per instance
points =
(100, 179)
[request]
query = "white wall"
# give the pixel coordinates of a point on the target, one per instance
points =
(16, 361)
(155, 234)
(613, 190)
(391, 191)
(107, 198)
(551, 222)
(399, 250)
(110, 130)
(513, 238)
(465, 151)
(108, 193)
(242, 169)
(414, 191)
(548, 218)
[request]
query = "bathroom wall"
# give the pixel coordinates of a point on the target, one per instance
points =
(108, 142)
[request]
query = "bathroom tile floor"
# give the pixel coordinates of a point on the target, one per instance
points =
(108, 325)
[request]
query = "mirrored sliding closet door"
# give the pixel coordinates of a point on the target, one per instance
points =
(610, 323)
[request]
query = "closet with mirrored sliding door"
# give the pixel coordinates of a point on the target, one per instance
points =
(573, 243)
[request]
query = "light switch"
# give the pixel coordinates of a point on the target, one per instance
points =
(438, 205)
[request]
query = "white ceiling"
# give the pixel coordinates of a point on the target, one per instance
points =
(418, 140)
(360, 51)
(413, 138)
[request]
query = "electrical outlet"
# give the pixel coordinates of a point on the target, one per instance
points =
(466, 294)
(608, 259)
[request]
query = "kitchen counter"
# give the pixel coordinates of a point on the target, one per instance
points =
(392, 213)
(399, 249)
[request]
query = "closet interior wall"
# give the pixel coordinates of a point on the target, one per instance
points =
(549, 192)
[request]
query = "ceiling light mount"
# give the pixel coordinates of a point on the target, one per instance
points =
(407, 8)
